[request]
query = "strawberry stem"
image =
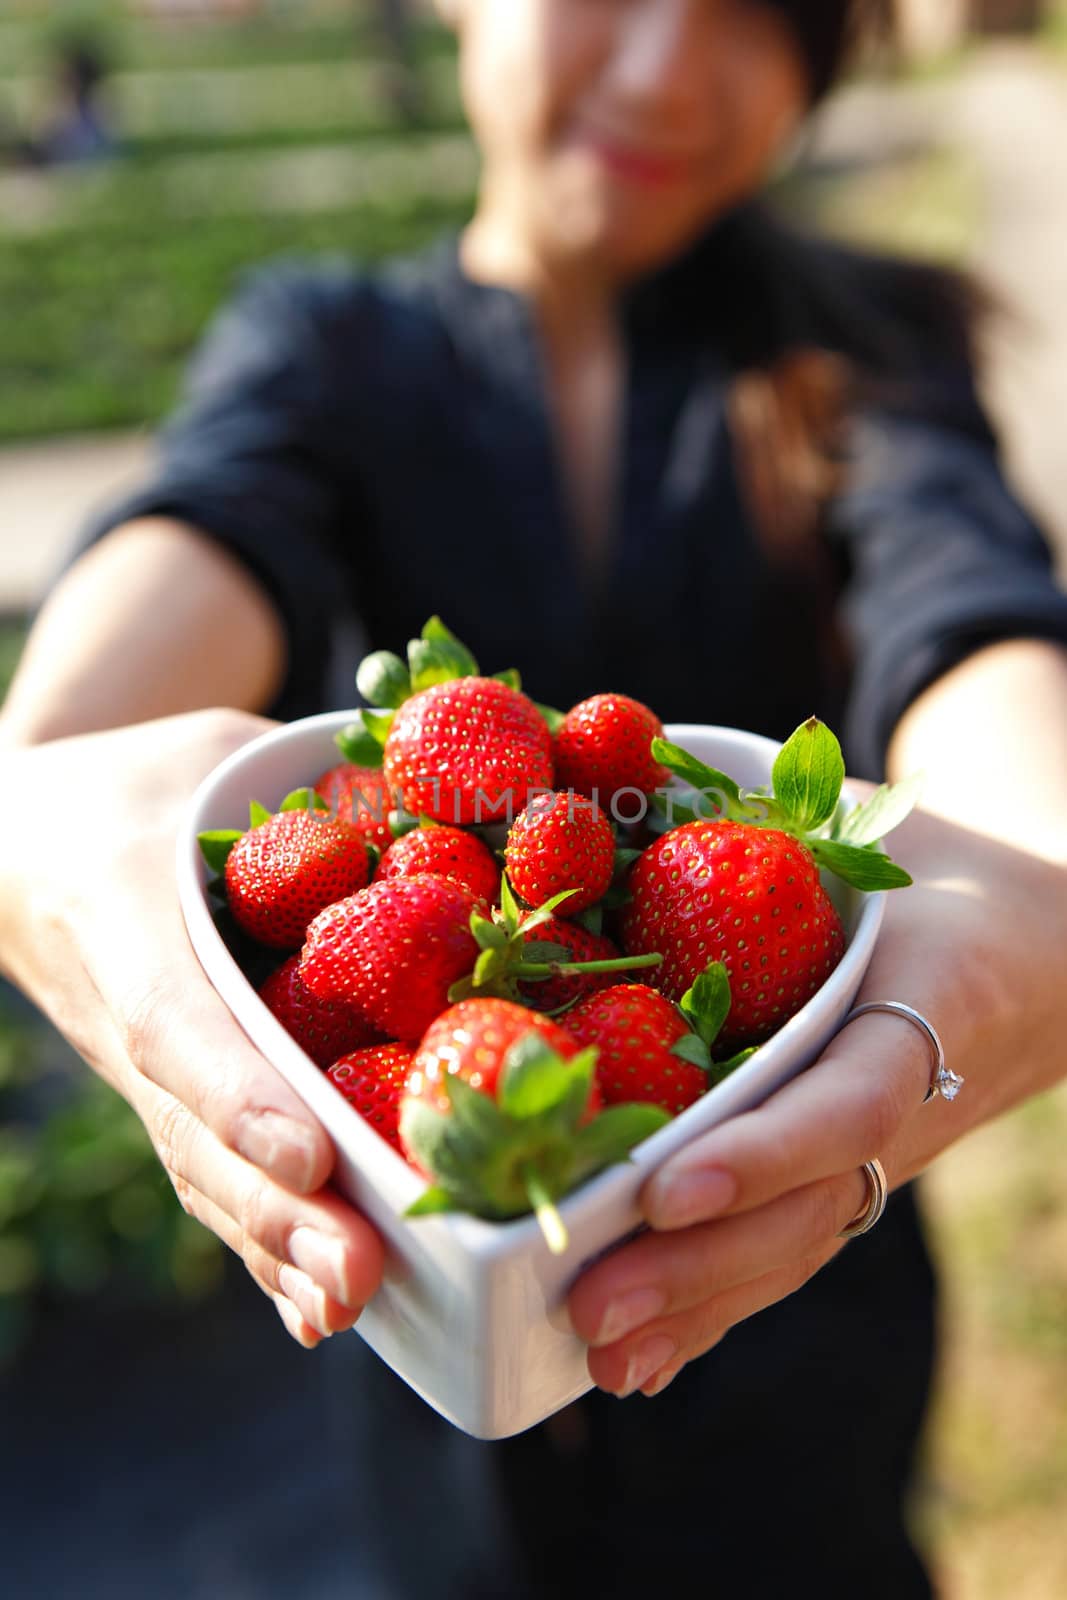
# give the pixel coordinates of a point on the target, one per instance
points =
(550, 969)
(544, 1208)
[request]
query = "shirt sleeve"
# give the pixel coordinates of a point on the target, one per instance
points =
(247, 459)
(939, 559)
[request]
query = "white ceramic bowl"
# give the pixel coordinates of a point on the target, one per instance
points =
(470, 1313)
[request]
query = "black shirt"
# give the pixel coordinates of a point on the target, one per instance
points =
(379, 443)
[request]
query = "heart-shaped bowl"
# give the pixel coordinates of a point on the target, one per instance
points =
(470, 1313)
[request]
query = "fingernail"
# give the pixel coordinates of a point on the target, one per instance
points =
(628, 1312)
(294, 1323)
(647, 1360)
(693, 1196)
(322, 1258)
(304, 1294)
(664, 1381)
(284, 1148)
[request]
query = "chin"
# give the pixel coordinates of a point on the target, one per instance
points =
(621, 236)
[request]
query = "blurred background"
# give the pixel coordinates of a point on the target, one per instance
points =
(150, 150)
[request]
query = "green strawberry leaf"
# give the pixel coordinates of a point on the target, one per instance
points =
(304, 800)
(358, 745)
(886, 808)
(433, 661)
(511, 676)
(435, 632)
(377, 724)
(257, 814)
(462, 989)
(383, 680)
(612, 1135)
(861, 867)
(542, 950)
(690, 1047)
(624, 860)
(509, 906)
(401, 822)
(475, 1113)
(706, 1004)
(707, 781)
(706, 793)
(553, 717)
(534, 1078)
(215, 846)
(534, 919)
(721, 1070)
(616, 895)
(591, 919)
(374, 855)
(486, 967)
(807, 775)
(431, 1201)
(487, 935)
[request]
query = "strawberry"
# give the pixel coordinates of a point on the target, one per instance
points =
(745, 889)
(501, 1112)
(326, 1029)
(280, 874)
(747, 896)
(561, 841)
(648, 1048)
(467, 750)
(372, 1081)
(447, 851)
(393, 950)
(550, 994)
(634, 1028)
(604, 744)
(359, 795)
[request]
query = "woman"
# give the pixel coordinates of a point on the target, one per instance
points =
(624, 432)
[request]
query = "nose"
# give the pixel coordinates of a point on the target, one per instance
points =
(658, 56)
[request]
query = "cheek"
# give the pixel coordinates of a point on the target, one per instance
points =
(523, 63)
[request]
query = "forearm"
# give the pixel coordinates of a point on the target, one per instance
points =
(990, 738)
(153, 621)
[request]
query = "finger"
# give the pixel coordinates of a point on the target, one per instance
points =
(181, 1036)
(846, 1109)
(660, 1274)
(278, 1279)
(650, 1360)
(321, 1236)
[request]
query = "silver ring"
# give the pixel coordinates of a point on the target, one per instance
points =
(943, 1081)
(876, 1199)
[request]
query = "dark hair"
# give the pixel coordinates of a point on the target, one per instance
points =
(830, 30)
(816, 329)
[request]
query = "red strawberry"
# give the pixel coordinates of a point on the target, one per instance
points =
(744, 889)
(580, 945)
(472, 1039)
(603, 745)
(447, 851)
(394, 950)
(501, 1111)
(561, 841)
(468, 750)
(747, 896)
(326, 1029)
(372, 1081)
(634, 1028)
(281, 873)
(359, 795)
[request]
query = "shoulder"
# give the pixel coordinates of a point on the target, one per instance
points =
(906, 328)
(319, 317)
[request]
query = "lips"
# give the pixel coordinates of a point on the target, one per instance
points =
(633, 163)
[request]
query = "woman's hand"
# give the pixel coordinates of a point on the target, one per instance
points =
(91, 930)
(748, 1212)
